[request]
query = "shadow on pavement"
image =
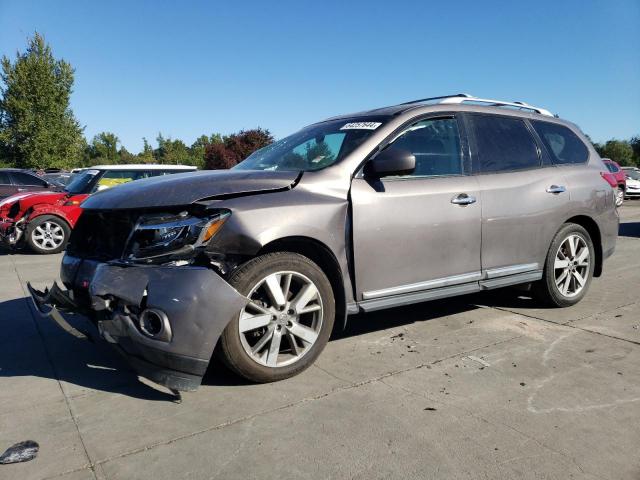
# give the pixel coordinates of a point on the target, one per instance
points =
(78, 362)
(97, 366)
(363, 323)
(630, 229)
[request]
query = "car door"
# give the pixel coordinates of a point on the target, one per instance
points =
(524, 197)
(25, 182)
(7, 188)
(417, 234)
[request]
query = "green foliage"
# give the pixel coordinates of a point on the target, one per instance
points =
(235, 147)
(103, 150)
(37, 126)
(619, 151)
(172, 151)
(146, 155)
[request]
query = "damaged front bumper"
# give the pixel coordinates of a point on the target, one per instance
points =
(165, 320)
(11, 231)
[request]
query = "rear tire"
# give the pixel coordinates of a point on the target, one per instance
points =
(48, 234)
(287, 323)
(568, 268)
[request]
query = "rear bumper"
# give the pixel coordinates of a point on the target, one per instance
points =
(609, 224)
(195, 303)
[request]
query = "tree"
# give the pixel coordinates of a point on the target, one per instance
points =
(198, 148)
(172, 151)
(37, 126)
(619, 151)
(104, 149)
(124, 156)
(235, 148)
(146, 155)
(635, 146)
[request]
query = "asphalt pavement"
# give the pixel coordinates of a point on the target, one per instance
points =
(481, 386)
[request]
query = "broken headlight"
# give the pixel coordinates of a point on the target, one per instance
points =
(160, 237)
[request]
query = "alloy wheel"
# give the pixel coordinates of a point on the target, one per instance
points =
(48, 236)
(282, 320)
(571, 265)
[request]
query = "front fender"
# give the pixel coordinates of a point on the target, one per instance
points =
(57, 210)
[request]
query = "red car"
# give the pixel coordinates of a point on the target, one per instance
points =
(620, 179)
(43, 220)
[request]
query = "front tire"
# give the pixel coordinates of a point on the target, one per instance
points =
(48, 234)
(568, 268)
(287, 322)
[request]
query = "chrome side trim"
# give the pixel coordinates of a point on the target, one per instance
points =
(430, 284)
(511, 280)
(511, 270)
(417, 297)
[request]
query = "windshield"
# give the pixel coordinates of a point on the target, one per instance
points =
(314, 147)
(81, 181)
(635, 174)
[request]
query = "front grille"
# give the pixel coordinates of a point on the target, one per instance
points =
(101, 235)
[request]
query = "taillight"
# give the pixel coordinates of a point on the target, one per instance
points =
(610, 178)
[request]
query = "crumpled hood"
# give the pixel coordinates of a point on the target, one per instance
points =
(186, 188)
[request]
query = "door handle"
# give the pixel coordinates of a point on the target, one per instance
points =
(556, 189)
(463, 199)
(22, 189)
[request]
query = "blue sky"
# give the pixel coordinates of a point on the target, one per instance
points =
(187, 68)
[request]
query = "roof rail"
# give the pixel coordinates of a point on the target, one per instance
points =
(460, 98)
(442, 97)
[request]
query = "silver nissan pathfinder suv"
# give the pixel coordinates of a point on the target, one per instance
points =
(433, 198)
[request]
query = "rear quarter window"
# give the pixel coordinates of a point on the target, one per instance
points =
(4, 178)
(563, 145)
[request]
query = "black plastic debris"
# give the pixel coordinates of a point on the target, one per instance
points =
(20, 452)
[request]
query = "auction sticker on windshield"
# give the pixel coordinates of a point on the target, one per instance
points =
(361, 126)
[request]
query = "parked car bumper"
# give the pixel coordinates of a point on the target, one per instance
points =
(632, 192)
(165, 320)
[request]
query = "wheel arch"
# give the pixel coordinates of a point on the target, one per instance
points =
(322, 255)
(590, 225)
(44, 211)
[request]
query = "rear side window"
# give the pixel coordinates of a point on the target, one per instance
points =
(504, 144)
(563, 145)
(20, 178)
(4, 178)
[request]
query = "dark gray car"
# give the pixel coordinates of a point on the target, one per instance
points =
(424, 200)
(14, 180)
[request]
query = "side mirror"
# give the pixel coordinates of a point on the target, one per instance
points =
(392, 161)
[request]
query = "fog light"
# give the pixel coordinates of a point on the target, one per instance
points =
(155, 324)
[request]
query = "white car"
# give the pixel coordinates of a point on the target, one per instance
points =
(633, 182)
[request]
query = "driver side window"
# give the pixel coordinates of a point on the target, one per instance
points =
(436, 145)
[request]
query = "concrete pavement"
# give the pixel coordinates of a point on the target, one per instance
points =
(482, 386)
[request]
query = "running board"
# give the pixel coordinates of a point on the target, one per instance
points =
(445, 292)
(417, 297)
(510, 280)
